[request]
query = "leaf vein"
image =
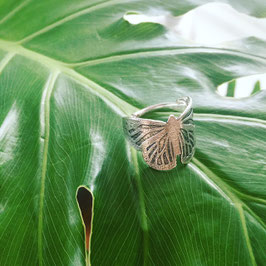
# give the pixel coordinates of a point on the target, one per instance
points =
(66, 19)
(6, 60)
(233, 199)
(14, 11)
(165, 51)
(48, 91)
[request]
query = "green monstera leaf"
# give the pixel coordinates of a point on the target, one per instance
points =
(69, 72)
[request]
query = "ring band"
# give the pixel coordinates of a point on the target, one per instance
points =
(161, 142)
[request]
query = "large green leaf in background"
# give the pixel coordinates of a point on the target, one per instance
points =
(69, 71)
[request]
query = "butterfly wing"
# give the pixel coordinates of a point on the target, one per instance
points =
(152, 138)
(159, 152)
(186, 137)
(139, 130)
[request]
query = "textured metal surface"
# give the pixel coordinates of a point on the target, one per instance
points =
(161, 142)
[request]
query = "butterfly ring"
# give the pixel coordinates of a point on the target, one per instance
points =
(161, 142)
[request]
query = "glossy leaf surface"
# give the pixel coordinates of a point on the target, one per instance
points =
(69, 72)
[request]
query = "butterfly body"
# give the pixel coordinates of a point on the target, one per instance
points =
(173, 128)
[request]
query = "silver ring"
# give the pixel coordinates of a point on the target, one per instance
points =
(161, 142)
